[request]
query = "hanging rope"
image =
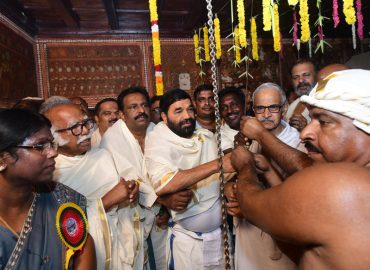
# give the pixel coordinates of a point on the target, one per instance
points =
(218, 135)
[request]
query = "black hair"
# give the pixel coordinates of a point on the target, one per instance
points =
(231, 90)
(98, 105)
(16, 125)
(154, 99)
(32, 105)
(202, 87)
(131, 90)
(300, 61)
(171, 97)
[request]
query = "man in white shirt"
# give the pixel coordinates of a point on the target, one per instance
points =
(106, 114)
(92, 173)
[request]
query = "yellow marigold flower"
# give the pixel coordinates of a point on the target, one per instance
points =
(276, 29)
(292, 2)
(241, 25)
(196, 48)
(217, 38)
(206, 44)
(349, 11)
(266, 15)
(153, 10)
(254, 39)
(237, 45)
(305, 26)
(156, 51)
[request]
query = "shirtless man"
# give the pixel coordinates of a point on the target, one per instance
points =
(324, 208)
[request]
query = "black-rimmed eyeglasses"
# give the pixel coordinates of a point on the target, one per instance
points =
(41, 147)
(274, 108)
(76, 129)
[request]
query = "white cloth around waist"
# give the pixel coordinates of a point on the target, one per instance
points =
(207, 221)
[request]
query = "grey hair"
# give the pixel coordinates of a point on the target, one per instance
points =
(52, 102)
(272, 86)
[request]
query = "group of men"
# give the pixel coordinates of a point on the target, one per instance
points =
(140, 175)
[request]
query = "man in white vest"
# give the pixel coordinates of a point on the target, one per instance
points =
(111, 200)
(179, 157)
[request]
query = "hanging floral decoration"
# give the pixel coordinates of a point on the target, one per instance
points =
(349, 11)
(360, 20)
(196, 48)
(276, 32)
(156, 47)
(336, 19)
(305, 24)
(237, 45)
(292, 2)
(207, 56)
(216, 22)
(295, 28)
(241, 25)
(254, 39)
(266, 13)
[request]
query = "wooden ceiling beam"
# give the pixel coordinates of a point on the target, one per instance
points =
(110, 8)
(66, 14)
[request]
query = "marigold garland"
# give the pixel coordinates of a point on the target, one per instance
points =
(277, 46)
(196, 48)
(241, 25)
(349, 11)
(156, 47)
(255, 55)
(305, 26)
(266, 15)
(237, 45)
(217, 38)
(292, 2)
(207, 56)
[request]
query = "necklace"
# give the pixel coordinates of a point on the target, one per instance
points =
(9, 227)
(21, 239)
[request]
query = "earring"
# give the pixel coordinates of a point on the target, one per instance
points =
(2, 167)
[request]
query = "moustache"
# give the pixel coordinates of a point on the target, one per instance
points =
(186, 121)
(304, 84)
(141, 115)
(310, 147)
(231, 114)
(267, 120)
(112, 121)
(84, 138)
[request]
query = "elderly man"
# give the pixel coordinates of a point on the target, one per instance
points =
(254, 248)
(205, 107)
(306, 209)
(178, 157)
(232, 108)
(303, 76)
(125, 140)
(106, 114)
(92, 172)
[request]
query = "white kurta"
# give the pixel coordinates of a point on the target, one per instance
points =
(129, 161)
(255, 249)
(95, 138)
(227, 136)
(93, 175)
(166, 154)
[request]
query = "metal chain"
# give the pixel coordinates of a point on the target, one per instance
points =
(218, 135)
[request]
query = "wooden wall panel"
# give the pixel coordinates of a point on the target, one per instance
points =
(17, 64)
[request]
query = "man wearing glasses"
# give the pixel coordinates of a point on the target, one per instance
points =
(93, 174)
(254, 248)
